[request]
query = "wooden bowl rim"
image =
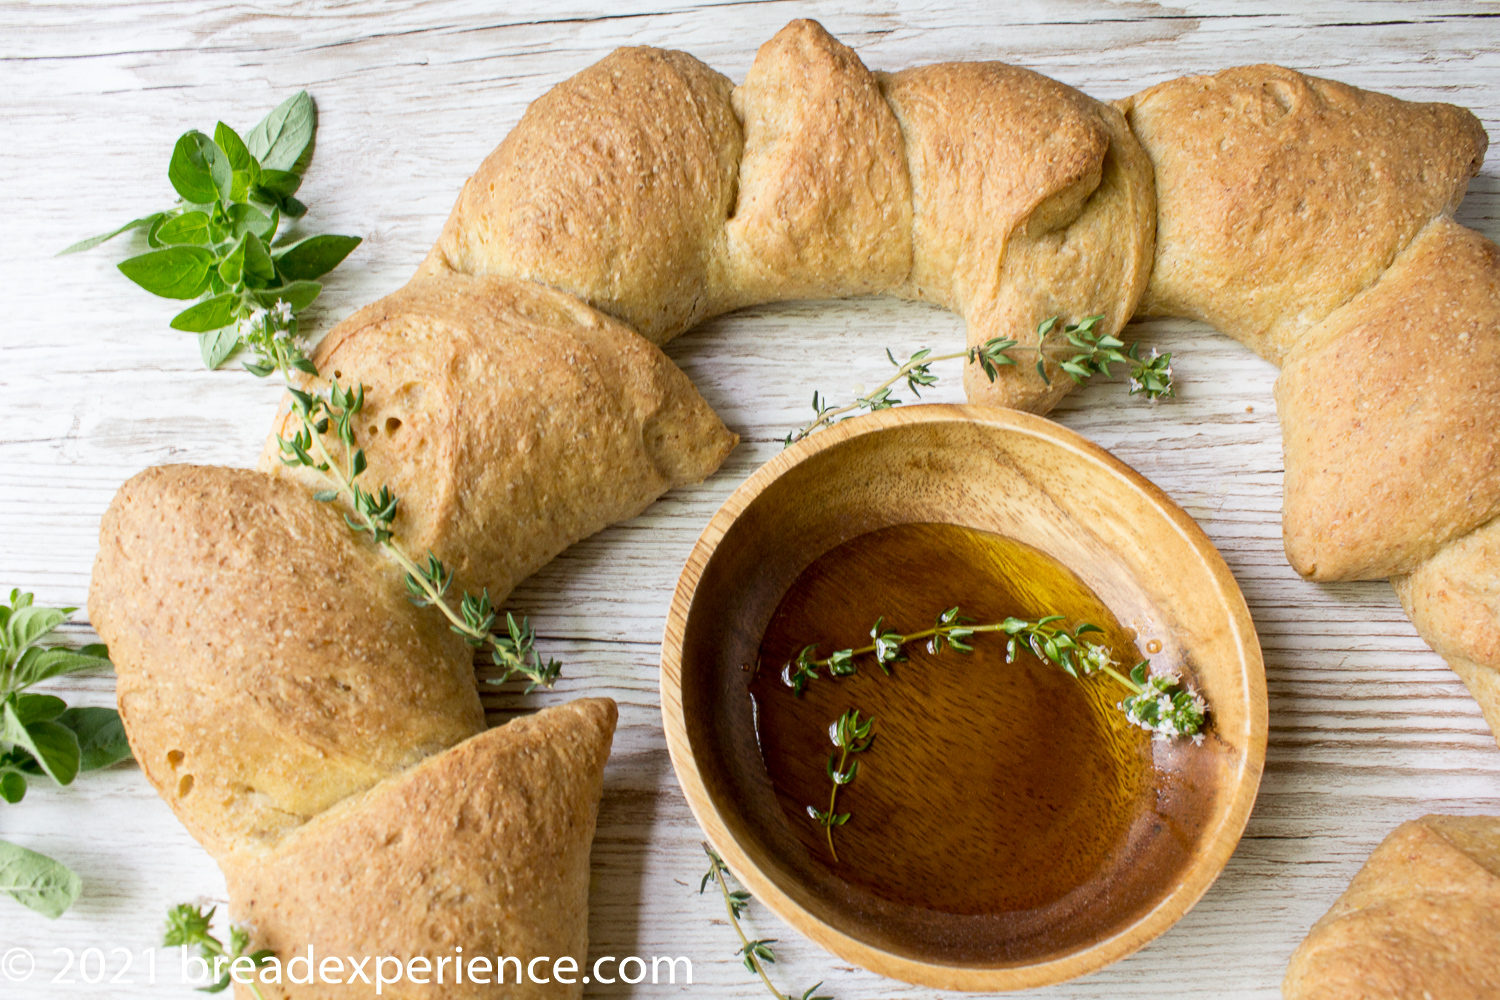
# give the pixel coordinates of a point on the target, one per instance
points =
(1217, 843)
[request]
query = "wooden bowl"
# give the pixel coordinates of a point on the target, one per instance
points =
(1017, 475)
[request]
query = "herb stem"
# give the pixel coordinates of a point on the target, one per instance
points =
(833, 797)
(745, 946)
(830, 417)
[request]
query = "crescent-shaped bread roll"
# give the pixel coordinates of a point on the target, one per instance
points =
(651, 188)
(511, 420)
(1280, 196)
(481, 852)
(269, 663)
(1421, 920)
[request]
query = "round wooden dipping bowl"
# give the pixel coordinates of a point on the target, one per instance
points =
(1027, 478)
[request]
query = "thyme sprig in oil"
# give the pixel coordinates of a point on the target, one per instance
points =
(1158, 703)
(850, 735)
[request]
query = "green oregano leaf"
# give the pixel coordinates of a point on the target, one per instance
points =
(174, 273)
(192, 170)
(217, 345)
(283, 139)
(93, 241)
(35, 880)
(314, 256)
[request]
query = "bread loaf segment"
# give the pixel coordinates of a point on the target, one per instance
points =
(511, 420)
(1280, 196)
(1419, 920)
(1390, 414)
(614, 187)
(483, 848)
(1454, 601)
(824, 208)
(268, 662)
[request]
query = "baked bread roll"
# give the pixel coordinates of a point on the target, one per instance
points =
(1421, 920)
(268, 662)
(479, 852)
(1311, 221)
(651, 188)
(322, 737)
(511, 420)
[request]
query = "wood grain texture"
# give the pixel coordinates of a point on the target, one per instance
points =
(1368, 728)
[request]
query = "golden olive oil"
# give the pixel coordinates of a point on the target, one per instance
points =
(991, 787)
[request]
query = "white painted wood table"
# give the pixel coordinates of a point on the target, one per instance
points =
(1368, 727)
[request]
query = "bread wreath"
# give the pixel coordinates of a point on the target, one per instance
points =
(517, 398)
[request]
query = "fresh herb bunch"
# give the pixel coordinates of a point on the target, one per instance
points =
(512, 646)
(188, 926)
(755, 953)
(41, 735)
(219, 242)
(1095, 353)
(850, 735)
(1159, 703)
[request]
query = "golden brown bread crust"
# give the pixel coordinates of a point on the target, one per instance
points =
(269, 664)
(1420, 920)
(988, 188)
(484, 847)
(613, 187)
(1390, 411)
(824, 207)
(1030, 200)
(1280, 196)
(1454, 601)
(511, 420)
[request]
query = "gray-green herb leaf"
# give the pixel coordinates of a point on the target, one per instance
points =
(35, 880)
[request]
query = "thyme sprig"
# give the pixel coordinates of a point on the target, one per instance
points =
(1094, 353)
(850, 735)
(1159, 703)
(188, 926)
(755, 953)
(513, 647)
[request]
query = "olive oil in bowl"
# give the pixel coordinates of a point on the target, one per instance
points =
(991, 787)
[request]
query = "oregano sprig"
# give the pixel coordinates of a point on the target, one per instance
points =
(219, 242)
(755, 953)
(188, 926)
(1159, 703)
(41, 736)
(1094, 353)
(850, 735)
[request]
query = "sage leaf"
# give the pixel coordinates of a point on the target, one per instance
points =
(13, 786)
(217, 345)
(297, 294)
(34, 880)
(179, 272)
(210, 314)
(29, 623)
(314, 256)
(93, 241)
(189, 227)
(101, 736)
(192, 170)
(54, 746)
(283, 139)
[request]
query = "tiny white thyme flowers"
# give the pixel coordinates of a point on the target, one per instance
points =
(1163, 706)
